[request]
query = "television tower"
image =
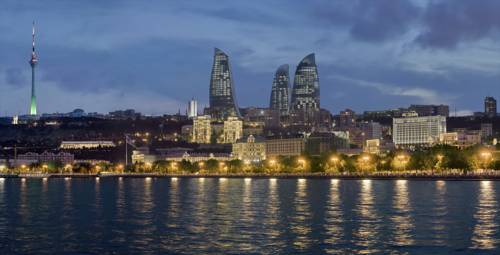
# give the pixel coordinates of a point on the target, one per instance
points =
(33, 62)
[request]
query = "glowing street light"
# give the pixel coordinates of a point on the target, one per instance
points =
(302, 162)
(335, 159)
(120, 167)
(440, 157)
(366, 158)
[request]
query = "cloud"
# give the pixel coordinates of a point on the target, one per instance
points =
(15, 77)
(371, 21)
(423, 95)
(449, 23)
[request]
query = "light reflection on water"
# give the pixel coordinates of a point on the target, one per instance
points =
(438, 214)
(334, 220)
(486, 228)
(402, 222)
(368, 219)
(260, 216)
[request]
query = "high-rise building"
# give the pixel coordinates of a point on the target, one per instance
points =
(192, 110)
(202, 129)
(430, 109)
(279, 92)
(33, 62)
(346, 118)
(233, 130)
(305, 93)
(414, 131)
(490, 106)
(222, 98)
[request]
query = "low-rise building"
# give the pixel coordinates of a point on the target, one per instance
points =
(79, 145)
(63, 157)
(250, 149)
(288, 146)
(198, 156)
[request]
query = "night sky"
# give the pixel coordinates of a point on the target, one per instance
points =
(154, 55)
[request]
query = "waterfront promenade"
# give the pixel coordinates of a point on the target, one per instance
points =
(389, 175)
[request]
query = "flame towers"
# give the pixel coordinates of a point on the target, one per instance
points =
(33, 62)
(222, 99)
(279, 93)
(305, 93)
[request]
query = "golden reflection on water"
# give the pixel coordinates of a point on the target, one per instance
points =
(438, 214)
(173, 204)
(120, 200)
(300, 220)
(483, 236)
(334, 219)
(402, 222)
(367, 233)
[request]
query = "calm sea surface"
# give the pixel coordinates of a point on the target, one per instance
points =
(241, 216)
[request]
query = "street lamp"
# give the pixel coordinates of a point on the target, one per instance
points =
(486, 156)
(403, 160)
(302, 162)
(120, 168)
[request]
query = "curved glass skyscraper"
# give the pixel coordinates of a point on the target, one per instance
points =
(222, 99)
(279, 93)
(305, 93)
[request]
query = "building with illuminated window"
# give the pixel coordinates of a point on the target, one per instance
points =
(79, 145)
(279, 92)
(222, 98)
(45, 157)
(250, 149)
(192, 110)
(305, 100)
(285, 146)
(418, 131)
(490, 106)
(233, 130)
(202, 129)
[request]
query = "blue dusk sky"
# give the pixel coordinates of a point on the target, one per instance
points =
(154, 55)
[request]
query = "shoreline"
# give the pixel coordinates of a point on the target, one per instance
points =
(372, 176)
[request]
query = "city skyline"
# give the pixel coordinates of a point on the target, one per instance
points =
(100, 66)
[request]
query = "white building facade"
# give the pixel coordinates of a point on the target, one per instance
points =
(418, 131)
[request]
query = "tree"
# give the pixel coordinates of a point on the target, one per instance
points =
(212, 165)
(235, 166)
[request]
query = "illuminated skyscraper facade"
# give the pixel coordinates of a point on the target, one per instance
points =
(305, 93)
(279, 93)
(222, 98)
(33, 62)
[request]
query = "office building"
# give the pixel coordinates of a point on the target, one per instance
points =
(490, 106)
(202, 129)
(418, 131)
(279, 93)
(222, 98)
